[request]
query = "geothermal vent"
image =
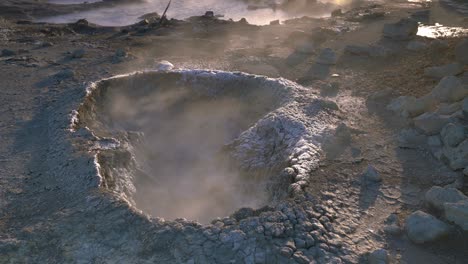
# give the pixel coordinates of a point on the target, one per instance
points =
(189, 144)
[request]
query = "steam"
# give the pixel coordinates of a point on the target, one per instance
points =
(186, 172)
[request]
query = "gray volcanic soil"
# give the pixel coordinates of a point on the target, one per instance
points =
(58, 198)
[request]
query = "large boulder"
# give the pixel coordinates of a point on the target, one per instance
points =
(450, 89)
(438, 72)
(457, 157)
(404, 29)
(432, 123)
(422, 227)
(437, 196)
(461, 51)
(458, 213)
(452, 134)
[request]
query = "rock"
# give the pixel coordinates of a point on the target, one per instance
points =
(164, 66)
(404, 29)
(450, 89)
(465, 171)
(327, 56)
(379, 256)
(300, 258)
(286, 252)
(434, 141)
(336, 13)
(78, 54)
(432, 123)
(371, 174)
(410, 138)
(422, 227)
(305, 47)
(461, 51)
(452, 134)
(274, 22)
(7, 53)
(151, 17)
(438, 196)
(439, 44)
(415, 45)
(457, 158)
(448, 109)
(439, 72)
(410, 106)
(381, 95)
(209, 14)
(458, 213)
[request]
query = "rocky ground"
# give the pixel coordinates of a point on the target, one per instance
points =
(387, 185)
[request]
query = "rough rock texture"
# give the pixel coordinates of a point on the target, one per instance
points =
(438, 72)
(452, 134)
(458, 213)
(457, 157)
(379, 256)
(402, 30)
(450, 89)
(432, 123)
(438, 196)
(410, 106)
(422, 227)
(415, 45)
(371, 50)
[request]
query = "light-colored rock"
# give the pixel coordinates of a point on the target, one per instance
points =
(415, 45)
(164, 66)
(379, 256)
(438, 72)
(438, 196)
(371, 174)
(450, 89)
(432, 123)
(327, 56)
(457, 158)
(448, 109)
(434, 141)
(410, 106)
(404, 29)
(422, 227)
(452, 134)
(458, 213)
(461, 51)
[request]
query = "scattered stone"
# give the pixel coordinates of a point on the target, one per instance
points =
(391, 225)
(452, 134)
(461, 51)
(457, 158)
(404, 29)
(300, 258)
(448, 109)
(328, 57)
(432, 123)
(438, 196)
(78, 54)
(458, 213)
(422, 227)
(164, 66)
(438, 72)
(286, 252)
(379, 256)
(371, 174)
(450, 89)
(8, 53)
(415, 45)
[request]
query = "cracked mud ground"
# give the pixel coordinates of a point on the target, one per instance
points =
(53, 212)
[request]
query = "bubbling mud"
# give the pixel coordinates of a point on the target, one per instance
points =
(174, 159)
